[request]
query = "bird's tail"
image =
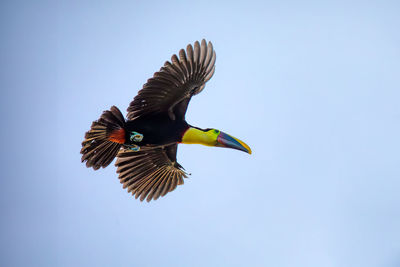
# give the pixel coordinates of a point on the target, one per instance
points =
(104, 139)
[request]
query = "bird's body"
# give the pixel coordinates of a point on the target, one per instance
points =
(145, 143)
(157, 130)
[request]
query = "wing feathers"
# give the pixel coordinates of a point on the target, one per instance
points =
(150, 173)
(189, 51)
(181, 78)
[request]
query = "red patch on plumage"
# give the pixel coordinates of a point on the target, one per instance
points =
(117, 136)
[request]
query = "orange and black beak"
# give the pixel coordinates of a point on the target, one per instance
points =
(225, 140)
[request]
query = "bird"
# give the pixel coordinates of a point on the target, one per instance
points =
(145, 143)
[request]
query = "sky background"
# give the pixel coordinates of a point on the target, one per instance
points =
(312, 86)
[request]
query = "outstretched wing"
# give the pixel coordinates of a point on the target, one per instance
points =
(150, 172)
(171, 88)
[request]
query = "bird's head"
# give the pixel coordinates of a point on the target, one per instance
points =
(213, 137)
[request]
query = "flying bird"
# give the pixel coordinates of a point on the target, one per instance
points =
(146, 143)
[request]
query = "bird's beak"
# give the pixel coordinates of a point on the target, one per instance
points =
(225, 140)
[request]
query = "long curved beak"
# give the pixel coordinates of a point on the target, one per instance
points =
(225, 140)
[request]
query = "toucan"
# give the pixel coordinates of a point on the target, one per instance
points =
(146, 143)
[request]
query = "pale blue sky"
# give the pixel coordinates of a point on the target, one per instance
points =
(312, 86)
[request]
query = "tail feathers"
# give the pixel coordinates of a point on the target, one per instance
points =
(104, 139)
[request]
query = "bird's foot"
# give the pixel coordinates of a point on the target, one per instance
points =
(134, 148)
(136, 137)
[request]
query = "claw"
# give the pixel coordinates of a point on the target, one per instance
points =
(135, 148)
(136, 137)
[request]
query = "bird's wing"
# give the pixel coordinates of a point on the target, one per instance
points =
(150, 172)
(171, 88)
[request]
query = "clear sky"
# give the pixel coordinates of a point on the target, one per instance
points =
(312, 86)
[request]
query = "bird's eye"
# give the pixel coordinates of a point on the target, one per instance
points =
(216, 131)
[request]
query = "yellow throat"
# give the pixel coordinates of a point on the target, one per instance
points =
(196, 136)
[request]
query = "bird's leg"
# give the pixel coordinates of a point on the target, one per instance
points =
(136, 137)
(135, 148)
